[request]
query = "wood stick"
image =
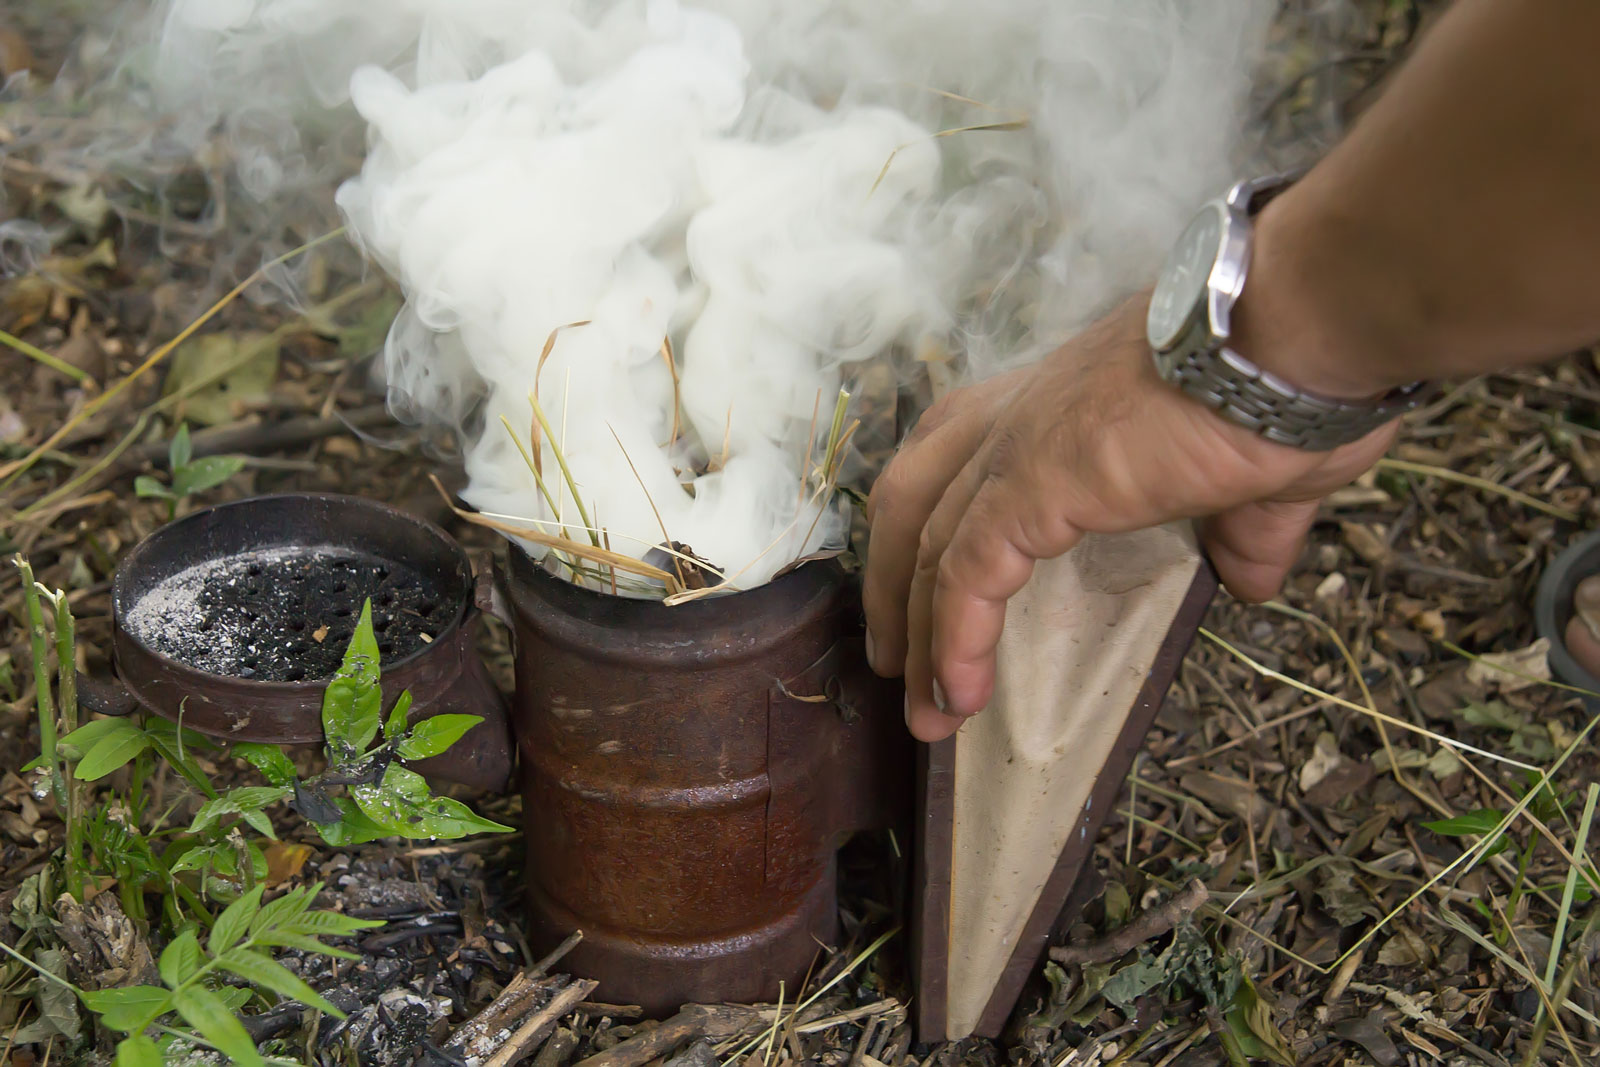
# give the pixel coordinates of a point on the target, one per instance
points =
(695, 1020)
(512, 1001)
(558, 953)
(541, 1022)
(557, 1048)
(263, 436)
(1152, 923)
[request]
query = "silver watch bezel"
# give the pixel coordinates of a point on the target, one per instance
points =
(1211, 313)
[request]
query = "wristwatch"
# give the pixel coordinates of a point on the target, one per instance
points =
(1187, 328)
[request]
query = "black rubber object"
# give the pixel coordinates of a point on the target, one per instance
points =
(1552, 609)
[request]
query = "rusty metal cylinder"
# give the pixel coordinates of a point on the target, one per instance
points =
(688, 773)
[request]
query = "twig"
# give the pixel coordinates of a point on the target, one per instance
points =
(264, 436)
(540, 1022)
(1147, 926)
(558, 953)
(694, 1021)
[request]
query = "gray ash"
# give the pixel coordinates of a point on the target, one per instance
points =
(260, 614)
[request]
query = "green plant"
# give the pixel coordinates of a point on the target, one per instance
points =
(382, 798)
(189, 475)
(128, 840)
(192, 971)
(1545, 805)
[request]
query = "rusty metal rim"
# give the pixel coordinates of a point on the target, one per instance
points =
(130, 566)
(709, 948)
(662, 637)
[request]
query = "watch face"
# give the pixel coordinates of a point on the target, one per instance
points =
(1182, 283)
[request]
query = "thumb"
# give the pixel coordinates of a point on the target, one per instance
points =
(1253, 546)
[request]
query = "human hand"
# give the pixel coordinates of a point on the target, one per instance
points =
(1018, 469)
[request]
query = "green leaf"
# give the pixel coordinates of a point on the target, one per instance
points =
(261, 970)
(86, 736)
(146, 486)
(330, 924)
(56, 1004)
(1133, 981)
(138, 1051)
(175, 746)
(109, 753)
(259, 822)
(181, 450)
(432, 736)
(253, 358)
(402, 805)
(352, 705)
(396, 723)
(1249, 1020)
(129, 1008)
(303, 942)
(237, 802)
(1481, 823)
(284, 910)
(203, 474)
(270, 760)
(353, 827)
(234, 921)
(215, 1021)
(234, 996)
(180, 959)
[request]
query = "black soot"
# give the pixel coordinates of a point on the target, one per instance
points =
(287, 614)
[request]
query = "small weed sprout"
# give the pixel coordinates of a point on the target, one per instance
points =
(190, 476)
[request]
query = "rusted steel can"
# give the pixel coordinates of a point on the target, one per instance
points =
(688, 773)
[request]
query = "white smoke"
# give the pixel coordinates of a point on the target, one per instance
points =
(769, 187)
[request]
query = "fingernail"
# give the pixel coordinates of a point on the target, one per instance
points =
(938, 695)
(908, 710)
(872, 652)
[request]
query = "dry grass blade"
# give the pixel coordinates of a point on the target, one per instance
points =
(593, 553)
(1580, 849)
(566, 472)
(849, 969)
(1538, 987)
(12, 471)
(981, 127)
(772, 1035)
(538, 374)
(538, 479)
(672, 369)
(39, 355)
(666, 538)
(1267, 672)
(1477, 483)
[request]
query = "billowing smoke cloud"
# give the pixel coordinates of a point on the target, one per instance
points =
(777, 193)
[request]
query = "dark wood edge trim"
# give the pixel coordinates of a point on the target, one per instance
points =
(1109, 783)
(930, 887)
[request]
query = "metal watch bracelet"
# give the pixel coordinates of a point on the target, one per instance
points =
(1245, 394)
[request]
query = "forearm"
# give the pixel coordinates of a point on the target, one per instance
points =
(1456, 230)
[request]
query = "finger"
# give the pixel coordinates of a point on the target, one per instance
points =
(902, 499)
(1252, 546)
(989, 558)
(926, 714)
